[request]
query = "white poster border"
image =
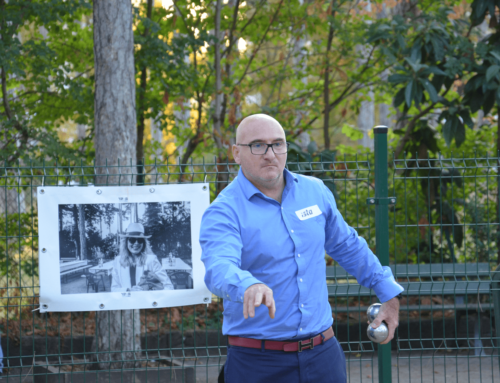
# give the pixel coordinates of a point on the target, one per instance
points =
(49, 197)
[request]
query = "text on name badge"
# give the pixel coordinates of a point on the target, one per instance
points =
(308, 212)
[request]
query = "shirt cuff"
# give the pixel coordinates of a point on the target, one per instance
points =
(243, 287)
(387, 288)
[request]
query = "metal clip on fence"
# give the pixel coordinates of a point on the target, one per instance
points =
(381, 201)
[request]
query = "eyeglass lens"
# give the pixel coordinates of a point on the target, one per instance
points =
(278, 147)
(134, 240)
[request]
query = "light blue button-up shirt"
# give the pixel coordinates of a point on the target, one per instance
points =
(248, 238)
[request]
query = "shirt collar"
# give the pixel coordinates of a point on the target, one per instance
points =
(249, 189)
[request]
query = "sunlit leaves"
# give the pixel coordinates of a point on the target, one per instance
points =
(46, 53)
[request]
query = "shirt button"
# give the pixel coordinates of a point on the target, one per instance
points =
(302, 305)
(291, 231)
(301, 279)
(301, 329)
(298, 255)
(281, 207)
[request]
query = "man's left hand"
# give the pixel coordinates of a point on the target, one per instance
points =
(389, 313)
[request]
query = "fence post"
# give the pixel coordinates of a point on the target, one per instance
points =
(382, 233)
(495, 288)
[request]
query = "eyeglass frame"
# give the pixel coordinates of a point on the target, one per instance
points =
(268, 146)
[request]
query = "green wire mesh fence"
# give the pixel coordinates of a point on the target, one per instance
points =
(444, 245)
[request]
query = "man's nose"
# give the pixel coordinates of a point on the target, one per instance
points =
(270, 153)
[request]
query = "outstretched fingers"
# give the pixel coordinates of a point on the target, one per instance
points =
(271, 305)
(254, 296)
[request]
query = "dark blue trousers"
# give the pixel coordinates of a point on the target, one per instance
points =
(323, 364)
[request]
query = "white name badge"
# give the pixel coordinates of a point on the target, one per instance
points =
(308, 212)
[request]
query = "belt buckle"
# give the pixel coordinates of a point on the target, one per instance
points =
(309, 344)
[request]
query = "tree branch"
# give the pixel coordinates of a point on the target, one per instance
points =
(347, 91)
(411, 125)
(254, 53)
(5, 97)
(195, 140)
(326, 90)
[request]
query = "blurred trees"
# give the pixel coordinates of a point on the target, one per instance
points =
(169, 224)
(283, 58)
(46, 76)
(310, 63)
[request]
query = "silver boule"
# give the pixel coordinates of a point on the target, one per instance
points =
(372, 311)
(378, 334)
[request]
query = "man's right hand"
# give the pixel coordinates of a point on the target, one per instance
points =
(254, 296)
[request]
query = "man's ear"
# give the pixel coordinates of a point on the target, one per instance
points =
(236, 154)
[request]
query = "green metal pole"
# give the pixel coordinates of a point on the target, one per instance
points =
(495, 287)
(382, 233)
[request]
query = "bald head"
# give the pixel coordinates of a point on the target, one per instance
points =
(265, 170)
(256, 121)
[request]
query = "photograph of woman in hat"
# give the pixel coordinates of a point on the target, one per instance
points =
(137, 268)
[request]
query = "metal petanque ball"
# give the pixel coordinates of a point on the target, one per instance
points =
(372, 311)
(378, 334)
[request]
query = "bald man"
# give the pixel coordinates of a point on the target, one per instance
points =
(263, 241)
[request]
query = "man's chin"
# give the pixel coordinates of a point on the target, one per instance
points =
(271, 175)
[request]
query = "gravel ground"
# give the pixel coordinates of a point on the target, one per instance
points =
(406, 368)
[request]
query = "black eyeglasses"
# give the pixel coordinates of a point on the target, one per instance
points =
(134, 240)
(260, 148)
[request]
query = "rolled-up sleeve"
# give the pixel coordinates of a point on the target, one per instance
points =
(221, 246)
(351, 251)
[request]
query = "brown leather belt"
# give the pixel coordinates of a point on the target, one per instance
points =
(282, 346)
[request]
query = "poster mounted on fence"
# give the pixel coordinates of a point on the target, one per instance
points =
(121, 247)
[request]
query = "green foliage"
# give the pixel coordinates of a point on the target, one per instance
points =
(313, 163)
(351, 132)
(18, 247)
(429, 54)
(45, 64)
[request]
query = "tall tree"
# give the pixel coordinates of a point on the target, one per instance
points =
(326, 87)
(82, 231)
(115, 141)
(142, 107)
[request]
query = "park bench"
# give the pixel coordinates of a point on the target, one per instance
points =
(467, 283)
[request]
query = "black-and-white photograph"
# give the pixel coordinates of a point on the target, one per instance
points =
(121, 247)
(125, 247)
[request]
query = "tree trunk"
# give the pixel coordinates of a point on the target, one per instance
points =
(81, 230)
(118, 333)
(142, 110)
(76, 231)
(218, 81)
(114, 100)
(326, 89)
(218, 117)
(299, 63)
(366, 120)
(498, 187)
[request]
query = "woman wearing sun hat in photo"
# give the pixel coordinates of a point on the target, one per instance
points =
(136, 268)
